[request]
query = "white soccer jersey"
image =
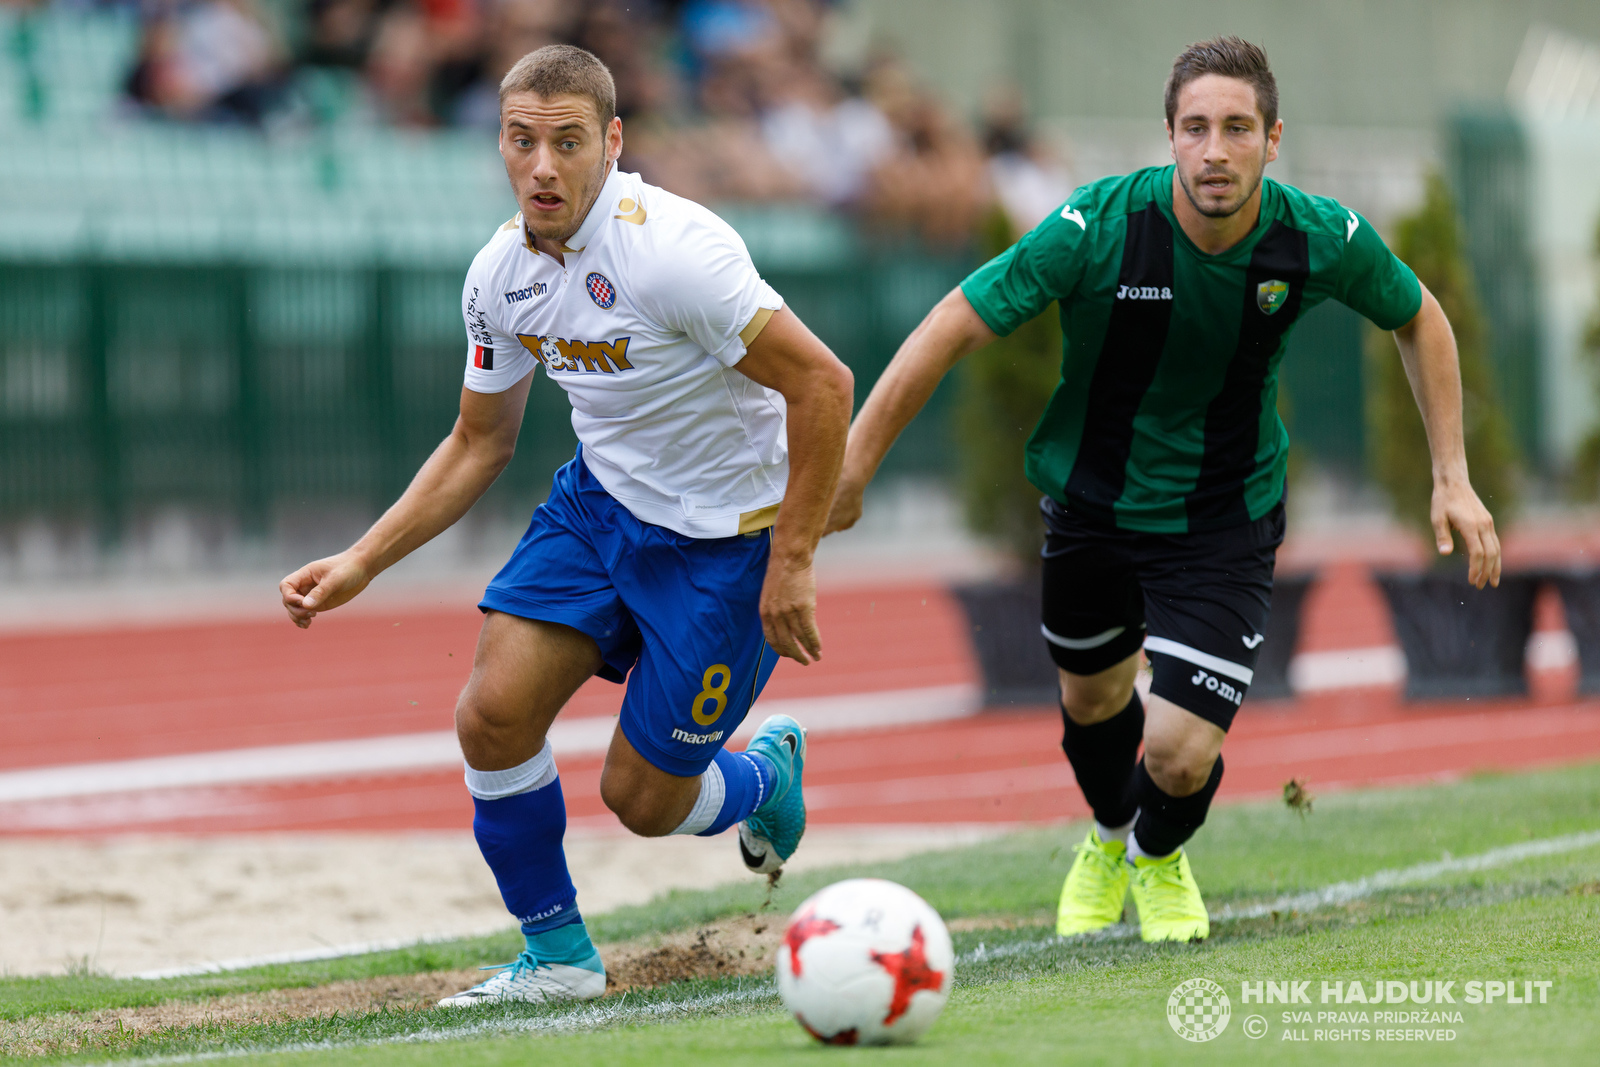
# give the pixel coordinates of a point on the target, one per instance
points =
(642, 328)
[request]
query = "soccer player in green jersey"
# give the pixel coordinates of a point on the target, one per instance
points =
(1162, 456)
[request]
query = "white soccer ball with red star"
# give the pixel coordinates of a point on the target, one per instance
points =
(865, 962)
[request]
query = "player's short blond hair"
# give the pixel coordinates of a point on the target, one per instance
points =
(558, 69)
(1231, 57)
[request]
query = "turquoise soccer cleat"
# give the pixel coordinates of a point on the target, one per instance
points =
(530, 981)
(772, 832)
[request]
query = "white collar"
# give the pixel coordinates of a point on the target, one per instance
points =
(597, 212)
(609, 191)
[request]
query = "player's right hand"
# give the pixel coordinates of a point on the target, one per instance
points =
(845, 510)
(320, 586)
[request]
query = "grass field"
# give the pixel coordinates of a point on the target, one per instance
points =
(1496, 878)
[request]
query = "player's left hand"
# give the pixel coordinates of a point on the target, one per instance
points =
(789, 610)
(1456, 504)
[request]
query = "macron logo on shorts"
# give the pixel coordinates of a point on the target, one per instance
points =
(696, 739)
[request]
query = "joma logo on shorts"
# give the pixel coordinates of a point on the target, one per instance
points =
(696, 739)
(1143, 292)
(1217, 686)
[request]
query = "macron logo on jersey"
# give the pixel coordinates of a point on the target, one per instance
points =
(560, 354)
(1143, 292)
(518, 295)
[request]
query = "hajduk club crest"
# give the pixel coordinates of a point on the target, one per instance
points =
(601, 291)
(1270, 296)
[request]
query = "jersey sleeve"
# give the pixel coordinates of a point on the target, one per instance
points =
(1044, 265)
(709, 290)
(1373, 280)
(495, 360)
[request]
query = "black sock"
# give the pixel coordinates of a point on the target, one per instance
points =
(1102, 756)
(1166, 822)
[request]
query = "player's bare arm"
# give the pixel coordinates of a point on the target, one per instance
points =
(789, 359)
(949, 333)
(460, 471)
(1428, 350)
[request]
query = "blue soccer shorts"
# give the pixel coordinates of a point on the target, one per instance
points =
(681, 613)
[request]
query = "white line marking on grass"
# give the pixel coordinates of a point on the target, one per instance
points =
(593, 1016)
(584, 1017)
(311, 955)
(1344, 892)
(437, 750)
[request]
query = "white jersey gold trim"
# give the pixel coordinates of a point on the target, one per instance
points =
(643, 325)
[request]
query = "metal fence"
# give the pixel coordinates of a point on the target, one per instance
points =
(126, 387)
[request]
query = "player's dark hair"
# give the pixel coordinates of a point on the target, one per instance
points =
(1232, 57)
(557, 69)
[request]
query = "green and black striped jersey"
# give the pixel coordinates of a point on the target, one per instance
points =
(1166, 419)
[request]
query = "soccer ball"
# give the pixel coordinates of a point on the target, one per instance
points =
(865, 962)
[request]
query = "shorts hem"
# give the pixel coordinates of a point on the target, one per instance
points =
(665, 761)
(1213, 709)
(1094, 660)
(539, 611)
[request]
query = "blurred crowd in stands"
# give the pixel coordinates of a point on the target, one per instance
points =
(721, 100)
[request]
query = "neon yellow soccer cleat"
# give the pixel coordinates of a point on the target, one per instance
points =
(1092, 896)
(1170, 908)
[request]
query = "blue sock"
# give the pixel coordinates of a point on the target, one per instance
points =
(736, 784)
(520, 821)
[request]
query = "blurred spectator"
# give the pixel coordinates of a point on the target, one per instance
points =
(211, 60)
(722, 99)
(423, 53)
(1028, 180)
(339, 33)
(830, 141)
(937, 184)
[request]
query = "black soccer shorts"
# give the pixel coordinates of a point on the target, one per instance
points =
(1197, 602)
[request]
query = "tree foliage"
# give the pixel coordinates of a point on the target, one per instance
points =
(1586, 473)
(1429, 242)
(1004, 389)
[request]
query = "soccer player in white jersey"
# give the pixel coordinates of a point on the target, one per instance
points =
(676, 545)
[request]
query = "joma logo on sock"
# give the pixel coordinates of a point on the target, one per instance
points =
(696, 739)
(1217, 686)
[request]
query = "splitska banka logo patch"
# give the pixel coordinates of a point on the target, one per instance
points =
(561, 355)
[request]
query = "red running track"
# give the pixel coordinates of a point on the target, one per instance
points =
(91, 696)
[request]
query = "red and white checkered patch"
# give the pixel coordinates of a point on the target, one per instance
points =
(601, 291)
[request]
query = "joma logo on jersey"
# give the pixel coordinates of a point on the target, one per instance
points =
(516, 295)
(1143, 292)
(559, 354)
(1217, 686)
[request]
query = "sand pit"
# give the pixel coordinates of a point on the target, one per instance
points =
(135, 905)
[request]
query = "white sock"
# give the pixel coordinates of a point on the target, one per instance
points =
(536, 773)
(1115, 833)
(1136, 851)
(713, 791)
